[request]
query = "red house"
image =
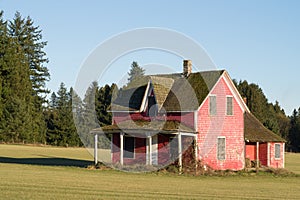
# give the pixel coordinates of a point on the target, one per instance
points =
(180, 117)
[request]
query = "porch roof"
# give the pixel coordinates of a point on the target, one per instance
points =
(255, 131)
(142, 126)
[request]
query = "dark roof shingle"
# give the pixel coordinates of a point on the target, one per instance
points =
(256, 132)
(173, 91)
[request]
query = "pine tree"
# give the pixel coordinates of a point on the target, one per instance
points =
(89, 118)
(29, 38)
(258, 104)
(135, 71)
(16, 123)
(59, 117)
(294, 133)
(104, 96)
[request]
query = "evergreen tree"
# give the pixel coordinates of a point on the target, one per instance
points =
(135, 71)
(89, 118)
(294, 133)
(29, 38)
(271, 115)
(61, 128)
(104, 96)
(16, 99)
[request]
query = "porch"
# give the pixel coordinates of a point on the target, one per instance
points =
(162, 144)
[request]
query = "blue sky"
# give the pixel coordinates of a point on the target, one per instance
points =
(253, 40)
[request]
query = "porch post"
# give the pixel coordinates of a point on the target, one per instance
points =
(121, 147)
(196, 151)
(96, 148)
(179, 153)
(257, 155)
(150, 149)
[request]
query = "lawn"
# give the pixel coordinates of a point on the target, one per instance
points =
(28, 172)
(292, 162)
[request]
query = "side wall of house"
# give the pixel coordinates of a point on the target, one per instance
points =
(221, 126)
(276, 162)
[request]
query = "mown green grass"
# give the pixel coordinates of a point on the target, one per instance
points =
(44, 181)
(293, 162)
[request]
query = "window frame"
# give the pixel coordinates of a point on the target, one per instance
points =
(210, 105)
(223, 158)
(277, 151)
(232, 110)
(125, 152)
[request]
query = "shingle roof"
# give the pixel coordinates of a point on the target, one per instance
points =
(256, 132)
(129, 99)
(143, 127)
(187, 94)
(161, 87)
(173, 91)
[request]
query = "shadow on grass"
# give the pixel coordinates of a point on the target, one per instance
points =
(49, 161)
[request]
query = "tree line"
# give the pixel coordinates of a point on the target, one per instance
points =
(65, 106)
(27, 116)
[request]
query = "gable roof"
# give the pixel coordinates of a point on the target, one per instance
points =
(255, 131)
(161, 87)
(173, 92)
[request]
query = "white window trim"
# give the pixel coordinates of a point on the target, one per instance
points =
(133, 147)
(227, 107)
(279, 151)
(212, 95)
(219, 137)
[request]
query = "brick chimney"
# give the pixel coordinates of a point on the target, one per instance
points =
(187, 67)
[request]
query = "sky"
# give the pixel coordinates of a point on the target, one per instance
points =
(257, 41)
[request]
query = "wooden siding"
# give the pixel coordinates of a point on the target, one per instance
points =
(274, 162)
(231, 127)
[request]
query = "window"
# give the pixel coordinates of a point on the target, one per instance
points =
(173, 141)
(229, 106)
(212, 105)
(128, 147)
(277, 151)
(152, 107)
(221, 148)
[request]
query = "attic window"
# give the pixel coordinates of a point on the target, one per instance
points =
(221, 148)
(213, 105)
(277, 151)
(152, 107)
(229, 105)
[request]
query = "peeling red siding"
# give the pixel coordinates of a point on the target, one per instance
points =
(251, 151)
(276, 162)
(230, 127)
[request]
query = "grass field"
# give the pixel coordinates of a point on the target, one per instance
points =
(28, 172)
